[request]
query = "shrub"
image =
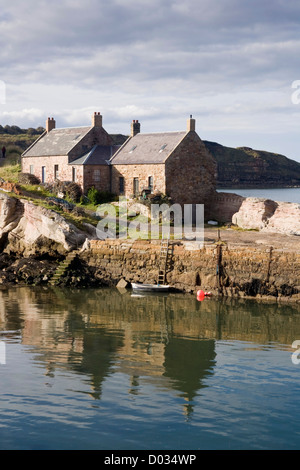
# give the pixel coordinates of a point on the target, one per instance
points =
(93, 196)
(73, 191)
(28, 178)
(99, 197)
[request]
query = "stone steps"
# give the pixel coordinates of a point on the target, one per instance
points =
(62, 268)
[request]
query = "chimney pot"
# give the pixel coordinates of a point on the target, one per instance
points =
(50, 124)
(96, 120)
(135, 128)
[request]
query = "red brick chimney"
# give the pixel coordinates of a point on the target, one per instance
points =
(50, 124)
(96, 120)
(135, 128)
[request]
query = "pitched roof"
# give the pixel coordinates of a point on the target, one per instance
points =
(57, 142)
(147, 148)
(99, 155)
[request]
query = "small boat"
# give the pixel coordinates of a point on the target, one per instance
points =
(150, 287)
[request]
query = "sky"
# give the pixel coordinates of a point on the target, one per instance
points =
(231, 64)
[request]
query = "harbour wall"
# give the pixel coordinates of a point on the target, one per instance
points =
(261, 272)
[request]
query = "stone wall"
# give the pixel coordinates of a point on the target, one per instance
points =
(190, 172)
(142, 172)
(258, 272)
(97, 176)
(64, 170)
(223, 206)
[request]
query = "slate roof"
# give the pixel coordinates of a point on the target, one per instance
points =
(57, 142)
(147, 148)
(99, 155)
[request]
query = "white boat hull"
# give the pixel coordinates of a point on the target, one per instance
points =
(150, 287)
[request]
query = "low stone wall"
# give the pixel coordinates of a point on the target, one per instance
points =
(239, 271)
(222, 206)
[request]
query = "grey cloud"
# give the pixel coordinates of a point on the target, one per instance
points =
(164, 56)
(39, 31)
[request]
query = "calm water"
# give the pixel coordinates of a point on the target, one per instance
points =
(276, 194)
(102, 369)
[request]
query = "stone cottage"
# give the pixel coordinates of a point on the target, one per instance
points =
(176, 164)
(173, 163)
(78, 154)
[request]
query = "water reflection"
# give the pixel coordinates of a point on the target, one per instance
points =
(166, 341)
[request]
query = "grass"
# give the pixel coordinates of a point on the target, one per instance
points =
(10, 172)
(37, 194)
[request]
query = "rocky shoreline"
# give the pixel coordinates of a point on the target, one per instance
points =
(38, 272)
(260, 262)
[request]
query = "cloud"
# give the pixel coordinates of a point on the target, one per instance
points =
(227, 62)
(29, 115)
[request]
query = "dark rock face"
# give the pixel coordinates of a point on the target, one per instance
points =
(25, 271)
(245, 167)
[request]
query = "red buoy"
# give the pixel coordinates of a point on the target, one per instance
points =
(200, 295)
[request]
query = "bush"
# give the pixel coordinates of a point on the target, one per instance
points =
(93, 196)
(73, 191)
(28, 178)
(99, 197)
(66, 189)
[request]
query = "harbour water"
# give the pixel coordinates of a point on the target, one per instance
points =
(275, 194)
(106, 369)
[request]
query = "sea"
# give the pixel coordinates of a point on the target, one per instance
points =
(275, 194)
(109, 370)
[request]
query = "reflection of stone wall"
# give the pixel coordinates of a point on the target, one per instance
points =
(167, 341)
(255, 271)
(61, 318)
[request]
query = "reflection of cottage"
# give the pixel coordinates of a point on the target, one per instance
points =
(173, 163)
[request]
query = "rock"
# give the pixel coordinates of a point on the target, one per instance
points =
(286, 219)
(40, 223)
(10, 187)
(268, 216)
(30, 229)
(11, 211)
(61, 203)
(122, 284)
(254, 213)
